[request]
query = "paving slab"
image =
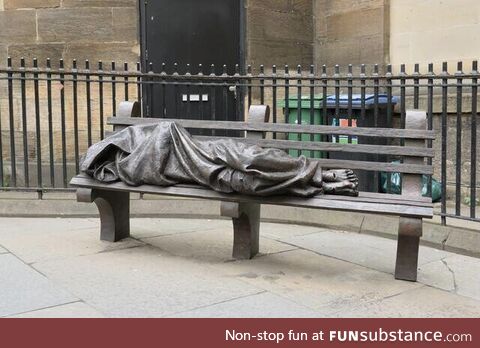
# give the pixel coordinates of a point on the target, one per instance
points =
(457, 273)
(264, 305)
(284, 231)
(16, 225)
(23, 289)
(209, 246)
(71, 310)
(438, 275)
(35, 240)
(183, 268)
(149, 228)
(143, 282)
(369, 251)
(314, 281)
(425, 302)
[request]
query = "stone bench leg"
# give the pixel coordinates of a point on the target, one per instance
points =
(409, 233)
(246, 228)
(114, 209)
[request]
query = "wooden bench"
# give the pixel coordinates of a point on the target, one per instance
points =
(113, 199)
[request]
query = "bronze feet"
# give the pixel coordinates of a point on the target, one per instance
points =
(340, 182)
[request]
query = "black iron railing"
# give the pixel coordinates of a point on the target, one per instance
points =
(50, 115)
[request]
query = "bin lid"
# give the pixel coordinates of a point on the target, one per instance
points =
(305, 102)
(357, 99)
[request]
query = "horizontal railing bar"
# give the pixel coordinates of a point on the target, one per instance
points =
(282, 128)
(206, 83)
(460, 217)
(120, 73)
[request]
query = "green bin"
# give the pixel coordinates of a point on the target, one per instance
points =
(308, 117)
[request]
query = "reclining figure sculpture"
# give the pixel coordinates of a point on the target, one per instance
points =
(165, 154)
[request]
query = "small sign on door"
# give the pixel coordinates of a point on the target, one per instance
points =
(195, 97)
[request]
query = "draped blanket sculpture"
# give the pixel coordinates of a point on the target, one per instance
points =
(165, 154)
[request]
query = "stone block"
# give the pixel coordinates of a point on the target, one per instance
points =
(40, 51)
(339, 6)
(16, 4)
(105, 52)
(437, 31)
(353, 24)
(270, 25)
(87, 25)
(279, 52)
(99, 3)
(275, 5)
(304, 7)
(17, 26)
(368, 50)
(3, 57)
(125, 24)
(319, 20)
(463, 240)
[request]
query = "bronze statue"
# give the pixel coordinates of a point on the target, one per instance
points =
(166, 154)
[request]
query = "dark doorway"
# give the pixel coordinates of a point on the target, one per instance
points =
(192, 32)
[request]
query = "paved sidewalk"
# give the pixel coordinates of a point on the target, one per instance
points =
(183, 268)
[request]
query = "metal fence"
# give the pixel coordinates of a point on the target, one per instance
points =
(49, 115)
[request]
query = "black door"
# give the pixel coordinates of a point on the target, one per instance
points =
(192, 32)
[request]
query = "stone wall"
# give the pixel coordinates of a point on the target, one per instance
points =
(351, 32)
(279, 32)
(430, 31)
(82, 29)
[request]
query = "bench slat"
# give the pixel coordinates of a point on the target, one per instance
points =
(319, 202)
(371, 197)
(334, 147)
(374, 195)
(376, 166)
(282, 128)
